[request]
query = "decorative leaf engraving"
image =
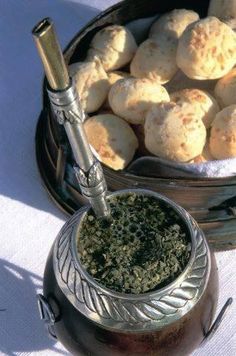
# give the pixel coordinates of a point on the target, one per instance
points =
(75, 117)
(92, 177)
(115, 308)
(95, 174)
(150, 312)
(98, 303)
(60, 115)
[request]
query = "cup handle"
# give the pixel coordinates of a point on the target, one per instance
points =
(47, 315)
(214, 327)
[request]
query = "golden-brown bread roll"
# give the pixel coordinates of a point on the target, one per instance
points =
(113, 77)
(173, 23)
(91, 82)
(131, 98)
(155, 59)
(223, 134)
(205, 156)
(200, 99)
(207, 49)
(174, 132)
(116, 75)
(112, 138)
(114, 45)
(225, 89)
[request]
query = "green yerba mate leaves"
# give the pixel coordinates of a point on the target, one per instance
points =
(144, 247)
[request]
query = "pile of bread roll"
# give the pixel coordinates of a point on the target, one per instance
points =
(173, 96)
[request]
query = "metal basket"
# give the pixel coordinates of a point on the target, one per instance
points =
(210, 201)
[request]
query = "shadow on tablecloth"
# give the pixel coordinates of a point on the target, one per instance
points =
(21, 329)
(21, 77)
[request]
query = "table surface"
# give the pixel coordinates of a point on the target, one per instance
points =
(28, 218)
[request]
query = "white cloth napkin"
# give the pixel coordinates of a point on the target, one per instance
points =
(29, 221)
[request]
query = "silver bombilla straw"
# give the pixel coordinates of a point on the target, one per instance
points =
(66, 105)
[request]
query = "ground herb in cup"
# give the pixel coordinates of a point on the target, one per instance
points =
(144, 247)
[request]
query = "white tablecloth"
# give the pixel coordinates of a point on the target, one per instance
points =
(29, 221)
